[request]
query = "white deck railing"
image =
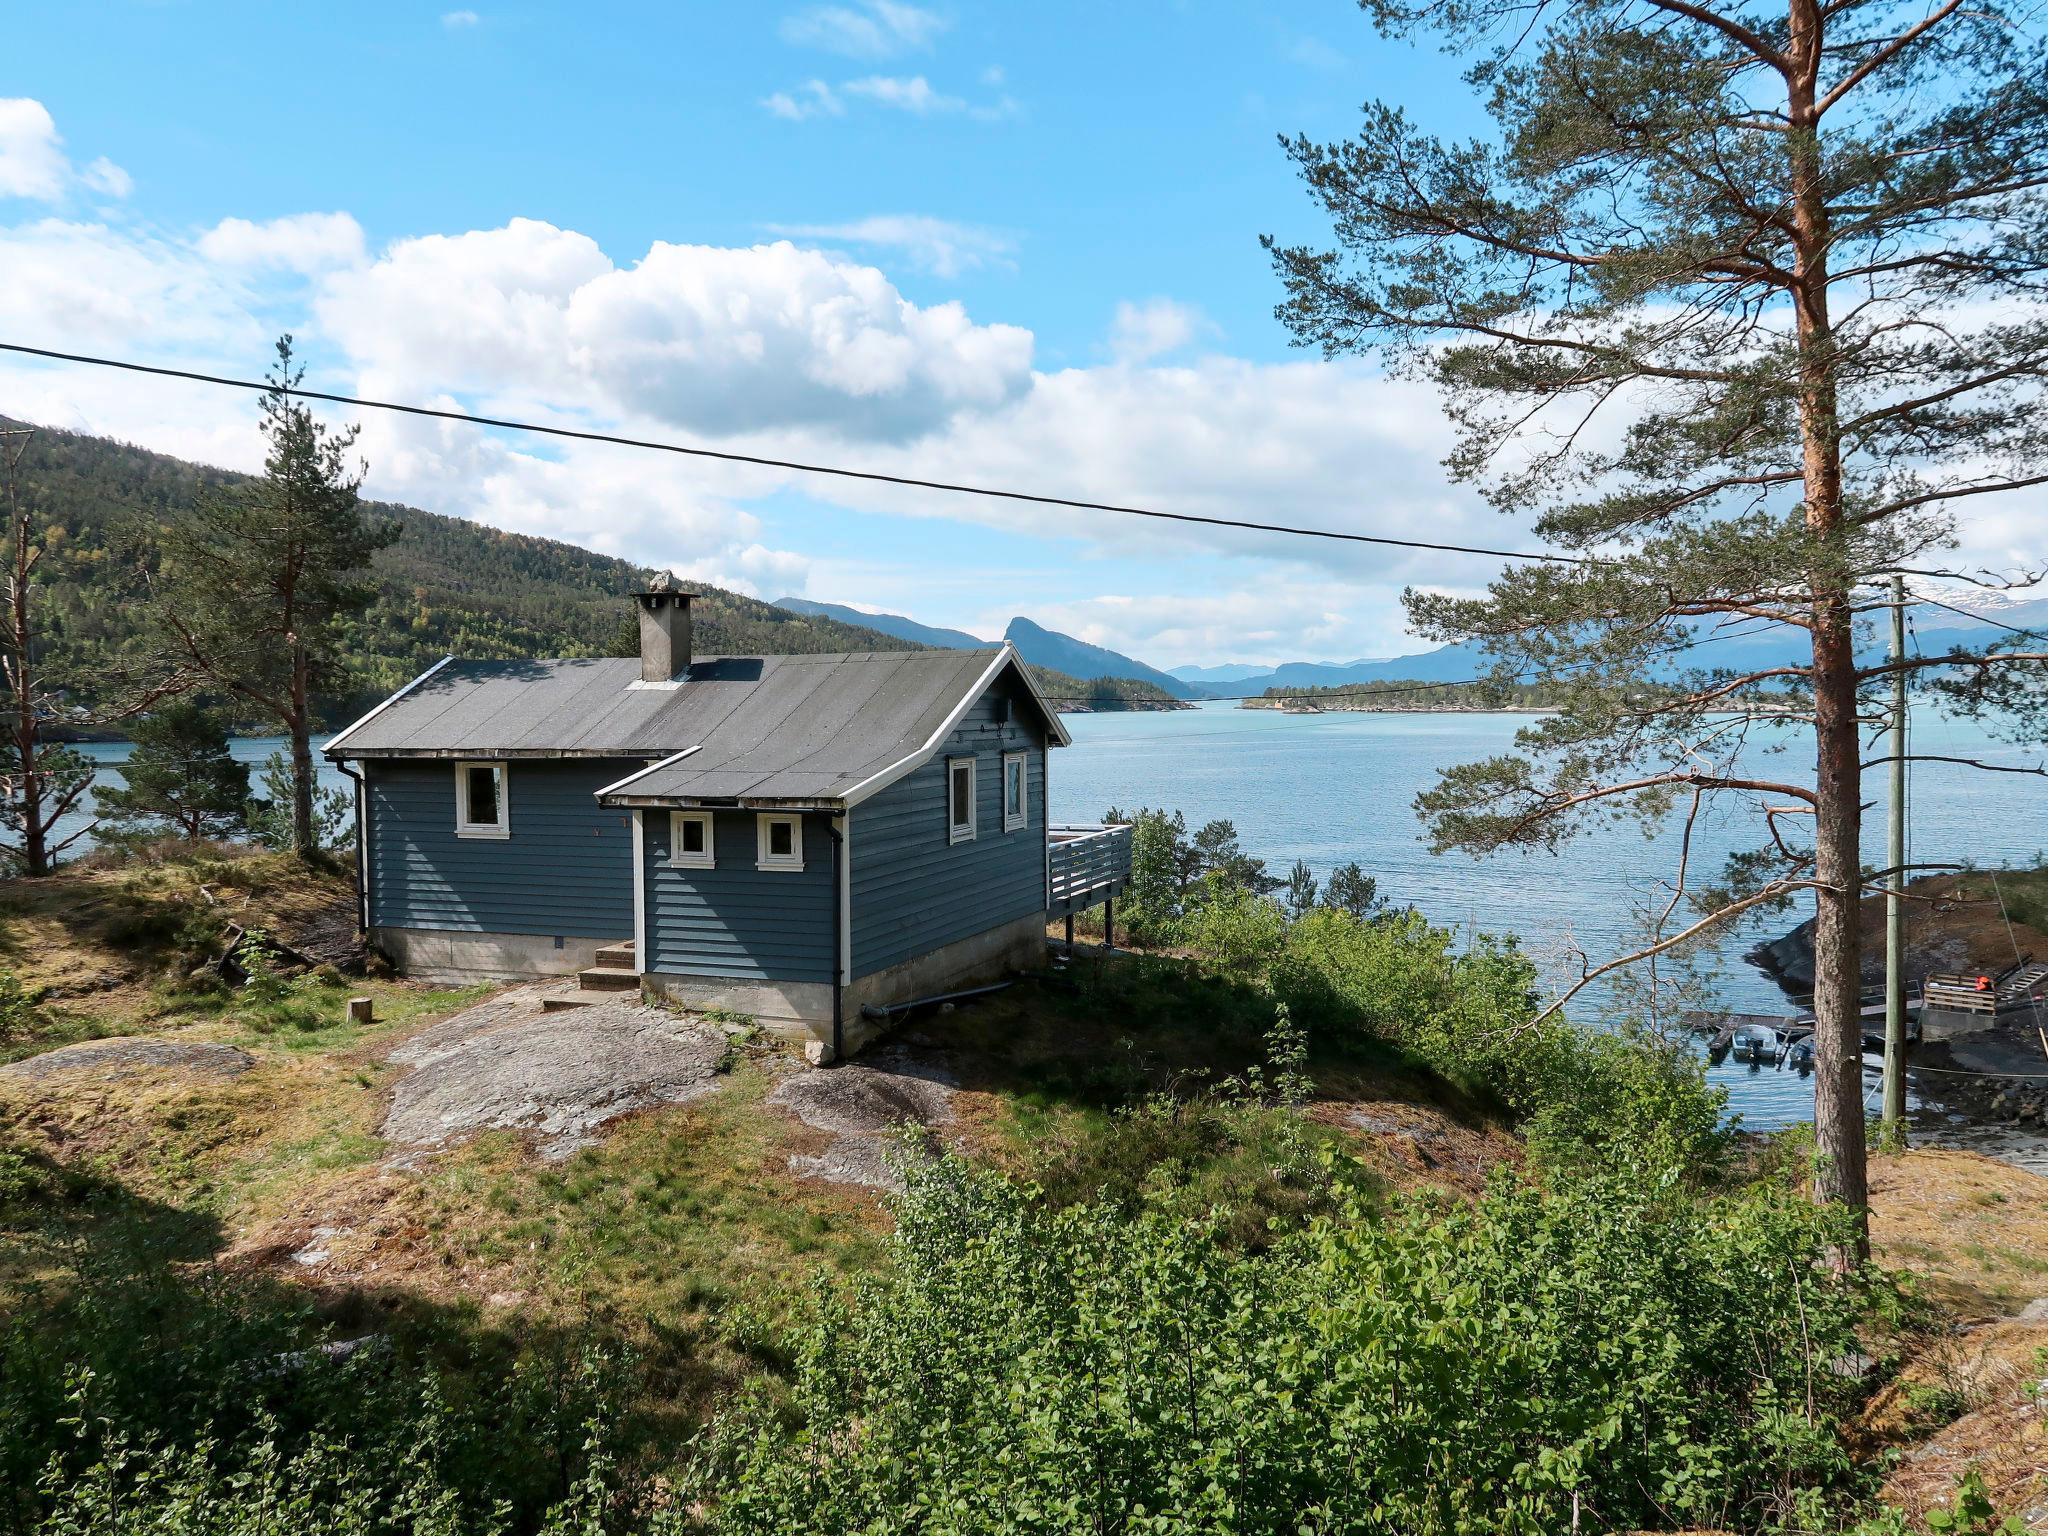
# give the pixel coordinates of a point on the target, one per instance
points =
(1087, 865)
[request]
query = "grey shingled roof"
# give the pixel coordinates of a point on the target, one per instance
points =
(801, 728)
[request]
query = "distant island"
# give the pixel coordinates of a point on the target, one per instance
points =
(1409, 696)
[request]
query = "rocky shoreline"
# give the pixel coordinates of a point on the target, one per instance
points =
(1994, 1077)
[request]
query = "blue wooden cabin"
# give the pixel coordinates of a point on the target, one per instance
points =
(811, 840)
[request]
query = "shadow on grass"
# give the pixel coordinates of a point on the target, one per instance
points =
(120, 1327)
(1118, 1028)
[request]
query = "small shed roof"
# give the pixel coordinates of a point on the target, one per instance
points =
(804, 729)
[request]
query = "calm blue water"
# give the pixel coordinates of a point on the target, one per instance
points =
(1338, 787)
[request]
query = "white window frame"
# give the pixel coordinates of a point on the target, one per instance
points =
(678, 857)
(763, 859)
(464, 826)
(959, 832)
(1020, 818)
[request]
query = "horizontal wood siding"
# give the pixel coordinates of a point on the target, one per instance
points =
(567, 868)
(735, 920)
(912, 890)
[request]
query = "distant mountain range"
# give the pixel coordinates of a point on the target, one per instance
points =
(1934, 631)
(1038, 645)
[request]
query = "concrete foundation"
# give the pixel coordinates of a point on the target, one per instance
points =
(449, 957)
(1948, 1023)
(802, 1010)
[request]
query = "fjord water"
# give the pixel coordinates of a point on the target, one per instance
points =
(1332, 788)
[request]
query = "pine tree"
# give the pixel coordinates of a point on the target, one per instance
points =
(41, 782)
(1740, 299)
(249, 588)
(1351, 889)
(1300, 894)
(180, 773)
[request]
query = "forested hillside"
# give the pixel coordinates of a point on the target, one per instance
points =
(447, 586)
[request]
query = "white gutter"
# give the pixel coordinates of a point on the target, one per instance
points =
(641, 773)
(337, 739)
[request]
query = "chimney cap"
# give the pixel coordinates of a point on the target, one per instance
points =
(663, 584)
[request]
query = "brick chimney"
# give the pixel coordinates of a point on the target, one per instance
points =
(664, 629)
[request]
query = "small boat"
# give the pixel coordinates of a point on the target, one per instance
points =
(1799, 1055)
(1756, 1044)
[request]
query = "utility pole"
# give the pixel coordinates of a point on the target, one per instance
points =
(1894, 896)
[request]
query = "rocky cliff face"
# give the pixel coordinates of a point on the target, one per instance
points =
(1953, 923)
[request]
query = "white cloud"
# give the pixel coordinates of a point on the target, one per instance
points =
(938, 246)
(913, 94)
(298, 242)
(709, 339)
(32, 159)
(1152, 329)
(105, 176)
(814, 98)
(878, 29)
(456, 21)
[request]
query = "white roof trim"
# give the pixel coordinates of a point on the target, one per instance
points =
(874, 784)
(641, 773)
(343, 734)
(1052, 716)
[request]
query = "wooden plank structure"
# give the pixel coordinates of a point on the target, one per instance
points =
(1087, 865)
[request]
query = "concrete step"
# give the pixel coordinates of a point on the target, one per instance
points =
(568, 1002)
(608, 978)
(618, 956)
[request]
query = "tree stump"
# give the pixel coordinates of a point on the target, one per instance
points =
(359, 1011)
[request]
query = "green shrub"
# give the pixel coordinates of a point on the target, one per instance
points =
(1593, 1355)
(1234, 930)
(147, 1383)
(1636, 1101)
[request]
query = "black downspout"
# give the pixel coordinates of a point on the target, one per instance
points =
(838, 941)
(362, 847)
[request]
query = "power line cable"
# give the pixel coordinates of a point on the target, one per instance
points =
(2033, 634)
(872, 476)
(1341, 691)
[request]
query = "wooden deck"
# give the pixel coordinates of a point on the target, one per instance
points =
(1086, 866)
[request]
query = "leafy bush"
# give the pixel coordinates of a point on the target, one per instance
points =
(1234, 929)
(192, 1401)
(1594, 1356)
(1634, 1100)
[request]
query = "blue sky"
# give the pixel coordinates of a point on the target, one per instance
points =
(1014, 244)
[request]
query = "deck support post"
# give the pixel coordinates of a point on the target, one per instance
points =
(1109, 923)
(1070, 933)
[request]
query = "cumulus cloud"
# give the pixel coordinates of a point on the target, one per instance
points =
(32, 159)
(814, 98)
(938, 246)
(102, 175)
(1152, 329)
(298, 242)
(710, 339)
(877, 29)
(912, 93)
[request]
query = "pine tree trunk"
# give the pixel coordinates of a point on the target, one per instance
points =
(301, 729)
(35, 850)
(1841, 1173)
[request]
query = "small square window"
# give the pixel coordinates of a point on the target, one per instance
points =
(689, 839)
(959, 799)
(1016, 782)
(779, 842)
(480, 808)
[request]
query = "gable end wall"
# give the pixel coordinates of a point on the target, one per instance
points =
(913, 891)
